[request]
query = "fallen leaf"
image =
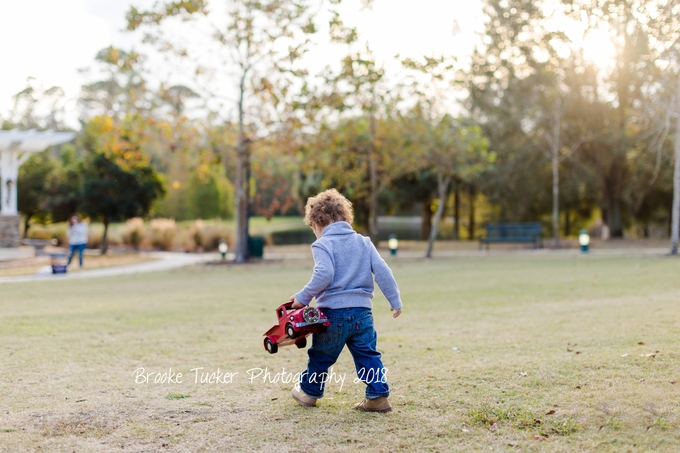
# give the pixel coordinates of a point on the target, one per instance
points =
(577, 352)
(578, 387)
(465, 430)
(493, 427)
(650, 355)
(539, 437)
(569, 350)
(641, 343)
(674, 382)
(550, 412)
(523, 373)
(624, 355)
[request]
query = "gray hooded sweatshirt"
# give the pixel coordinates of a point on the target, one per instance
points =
(344, 265)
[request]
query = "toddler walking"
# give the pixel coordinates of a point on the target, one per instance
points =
(342, 283)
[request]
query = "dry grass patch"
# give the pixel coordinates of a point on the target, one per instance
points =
(514, 353)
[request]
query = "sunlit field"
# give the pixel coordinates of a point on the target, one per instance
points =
(503, 352)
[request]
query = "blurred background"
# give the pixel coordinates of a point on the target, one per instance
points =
(217, 119)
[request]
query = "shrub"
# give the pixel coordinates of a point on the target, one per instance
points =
(197, 234)
(163, 233)
(134, 232)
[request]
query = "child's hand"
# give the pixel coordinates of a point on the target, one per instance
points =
(396, 313)
(296, 303)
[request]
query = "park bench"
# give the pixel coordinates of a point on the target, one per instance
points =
(528, 233)
(39, 245)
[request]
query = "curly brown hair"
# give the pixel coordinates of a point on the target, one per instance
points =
(327, 207)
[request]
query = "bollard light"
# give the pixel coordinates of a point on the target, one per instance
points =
(393, 244)
(584, 240)
(223, 248)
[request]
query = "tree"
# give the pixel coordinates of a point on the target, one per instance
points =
(120, 92)
(37, 107)
(64, 185)
(263, 41)
(640, 30)
(452, 149)
(118, 182)
(530, 86)
(34, 196)
(675, 228)
(363, 77)
(209, 195)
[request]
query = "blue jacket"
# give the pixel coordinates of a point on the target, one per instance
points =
(344, 265)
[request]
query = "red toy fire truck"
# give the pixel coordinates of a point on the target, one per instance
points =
(294, 326)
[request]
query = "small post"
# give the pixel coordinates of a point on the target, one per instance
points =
(584, 241)
(223, 248)
(393, 244)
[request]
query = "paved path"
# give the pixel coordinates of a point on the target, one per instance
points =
(164, 261)
(16, 253)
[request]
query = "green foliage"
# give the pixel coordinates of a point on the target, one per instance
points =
(118, 182)
(34, 196)
(64, 185)
(209, 195)
(529, 72)
(113, 192)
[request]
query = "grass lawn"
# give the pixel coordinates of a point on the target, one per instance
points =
(498, 353)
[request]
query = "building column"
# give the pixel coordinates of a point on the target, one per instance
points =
(10, 220)
(10, 232)
(9, 173)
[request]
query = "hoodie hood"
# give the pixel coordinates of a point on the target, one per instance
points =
(338, 228)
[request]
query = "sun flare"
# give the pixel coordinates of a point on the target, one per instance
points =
(598, 47)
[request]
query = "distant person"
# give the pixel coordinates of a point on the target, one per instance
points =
(342, 283)
(77, 238)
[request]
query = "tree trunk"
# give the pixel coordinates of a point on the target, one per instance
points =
(675, 215)
(241, 185)
(614, 182)
(614, 221)
(373, 196)
(443, 189)
(105, 238)
(556, 179)
(567, 222)
(426, 219)
(456, 212)
(27, 224)
(471, 214)
(623, 87)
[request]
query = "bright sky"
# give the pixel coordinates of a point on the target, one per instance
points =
(51, 40)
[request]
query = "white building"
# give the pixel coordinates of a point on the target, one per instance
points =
(15, 148)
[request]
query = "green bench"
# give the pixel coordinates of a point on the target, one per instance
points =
(521, 233)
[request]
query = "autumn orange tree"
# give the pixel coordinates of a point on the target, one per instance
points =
(118, 181)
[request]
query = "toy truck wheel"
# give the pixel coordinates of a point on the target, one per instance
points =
(301, 343)
(271, 348)
(290, 331)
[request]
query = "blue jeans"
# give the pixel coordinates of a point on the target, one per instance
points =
(80, 248)
(352, 327)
